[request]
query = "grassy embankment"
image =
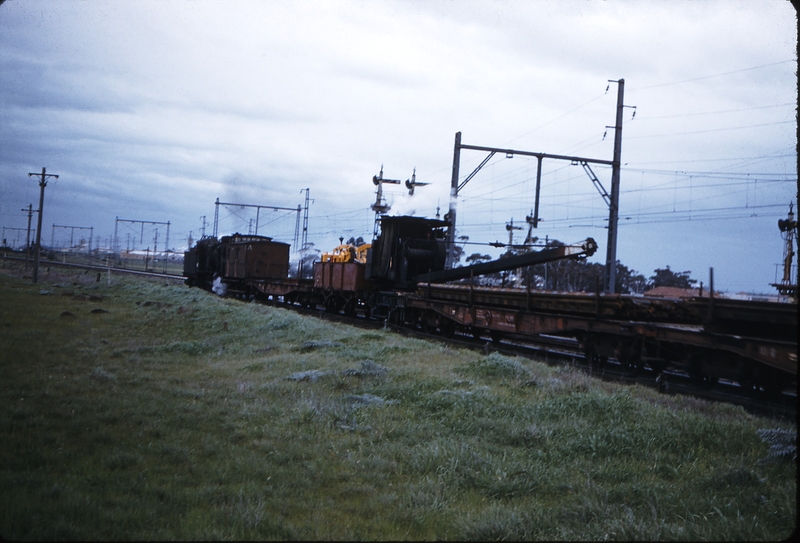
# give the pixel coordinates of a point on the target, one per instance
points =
(169, 415)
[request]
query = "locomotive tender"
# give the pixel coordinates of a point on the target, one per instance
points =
(402, 280)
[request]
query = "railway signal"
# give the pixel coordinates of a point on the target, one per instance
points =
(788, 228)
(411, 183)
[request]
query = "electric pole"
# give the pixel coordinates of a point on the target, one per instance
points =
(42, 185)
(613, 212)
(28, 237)
(450, 216)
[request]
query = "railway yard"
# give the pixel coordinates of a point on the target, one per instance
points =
(384, 394)
(483, 356)
(152, 410)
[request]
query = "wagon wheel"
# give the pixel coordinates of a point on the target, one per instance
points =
(350, 308)
(592, 359)
(699, 377)
(477, 333)
(330, 304)
(427, 325)
(396, 316)
(631, 365)
(447, 327)
(704, 381)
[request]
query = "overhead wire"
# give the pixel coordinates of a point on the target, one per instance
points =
(709, 130)
(713, 75)
(737, 159)
(647, 117)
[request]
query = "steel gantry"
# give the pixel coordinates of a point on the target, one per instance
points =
(258, 211)
(611, 199)
(72, 235)
(115, 247)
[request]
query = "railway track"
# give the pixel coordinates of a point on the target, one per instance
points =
(104, 269)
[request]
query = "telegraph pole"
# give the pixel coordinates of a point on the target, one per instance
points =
(42, 185)
(28, 237)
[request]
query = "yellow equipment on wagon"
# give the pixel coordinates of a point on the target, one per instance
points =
(347, 253)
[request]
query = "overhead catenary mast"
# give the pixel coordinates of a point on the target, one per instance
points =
(611, 199)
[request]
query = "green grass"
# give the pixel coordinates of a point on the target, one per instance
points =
(170, 416)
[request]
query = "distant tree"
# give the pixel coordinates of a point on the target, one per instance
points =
(668, 278)
(628, 281)
(458, 252)
(477, 258)
(355, 241)
(636, 283)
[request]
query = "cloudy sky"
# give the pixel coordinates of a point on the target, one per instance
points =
(150, 111)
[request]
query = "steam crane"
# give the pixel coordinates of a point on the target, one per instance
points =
(788, 228)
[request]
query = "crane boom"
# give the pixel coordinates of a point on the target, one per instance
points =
(586, 248)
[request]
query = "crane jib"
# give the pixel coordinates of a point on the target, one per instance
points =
(587, 248)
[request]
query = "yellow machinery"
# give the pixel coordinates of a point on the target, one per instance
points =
(361, 253)
(347, 253)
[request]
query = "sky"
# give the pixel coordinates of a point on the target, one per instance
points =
(151, 111)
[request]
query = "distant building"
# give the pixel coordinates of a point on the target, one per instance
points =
(677, 292)
(749, 296)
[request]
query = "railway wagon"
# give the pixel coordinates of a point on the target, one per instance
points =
(238, 260)
(402, 280)
(707, 339)
(341, 285)
(255, 258)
